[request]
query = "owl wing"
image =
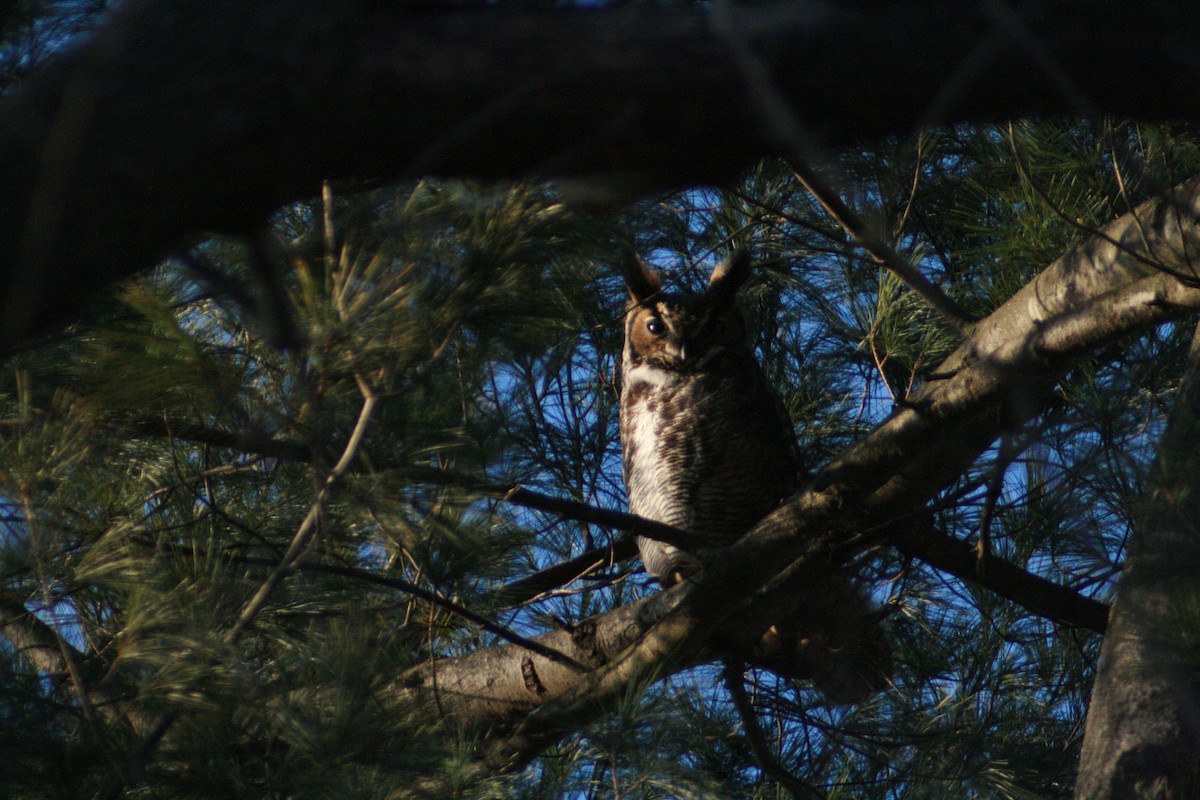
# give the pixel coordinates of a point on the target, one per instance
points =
(778, 462)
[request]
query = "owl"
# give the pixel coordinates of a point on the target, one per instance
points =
(708, 448)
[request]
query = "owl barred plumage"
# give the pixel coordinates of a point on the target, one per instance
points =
(708, 448)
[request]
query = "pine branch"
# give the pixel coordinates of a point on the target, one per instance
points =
(732, 676)
(1000, 377)
(1032, 592)
(582, 512)
(784, 126)
(884, 254)
(137, 758)
(254, 442)
(308, 528)
(563, 573)
(430, 597)
(1039, 595)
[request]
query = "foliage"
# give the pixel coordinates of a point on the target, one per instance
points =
(157, 460)
(32, 30)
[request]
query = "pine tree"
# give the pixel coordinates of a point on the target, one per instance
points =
(256, 498)
(161, 459)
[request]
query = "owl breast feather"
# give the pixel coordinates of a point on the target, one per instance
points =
(705, 453)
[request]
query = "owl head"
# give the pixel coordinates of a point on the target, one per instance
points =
(681, 333)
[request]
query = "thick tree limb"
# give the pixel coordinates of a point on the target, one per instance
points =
(997, 379)
(191, 116)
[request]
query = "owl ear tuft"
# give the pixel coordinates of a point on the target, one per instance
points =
(641, 281)
(728, 276)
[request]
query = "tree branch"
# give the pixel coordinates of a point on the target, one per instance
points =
(770, 765)
(1033, 592)
(996, 380)
(1037, 594)
(109, 165)
(529, 587)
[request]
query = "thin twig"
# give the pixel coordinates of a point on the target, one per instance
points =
(767, 762)
(308, 527)
(983, 546)
(783, 124)
(300, 540)
(880, 251)
(432, 598)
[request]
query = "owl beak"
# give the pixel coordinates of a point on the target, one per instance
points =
(679, 350)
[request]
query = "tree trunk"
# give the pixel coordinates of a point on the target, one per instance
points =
(1143, 729)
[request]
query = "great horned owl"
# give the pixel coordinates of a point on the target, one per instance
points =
(708, 448)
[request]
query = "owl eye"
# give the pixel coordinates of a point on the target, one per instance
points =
(656, 326)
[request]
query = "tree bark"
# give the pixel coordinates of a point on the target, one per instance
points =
(1142, 739)
(186, 117)
(1136, 272)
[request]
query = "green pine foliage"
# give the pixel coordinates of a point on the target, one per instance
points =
(157, 460)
